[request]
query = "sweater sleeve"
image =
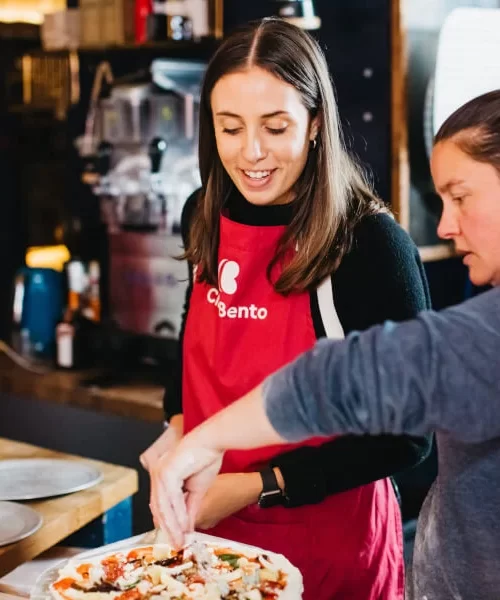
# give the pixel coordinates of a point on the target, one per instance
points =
(381, 278)
(172, 397)
(436, 372)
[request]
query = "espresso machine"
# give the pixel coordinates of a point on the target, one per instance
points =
(140, 151)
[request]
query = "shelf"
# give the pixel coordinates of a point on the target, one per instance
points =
(21, 32)
(201, 49)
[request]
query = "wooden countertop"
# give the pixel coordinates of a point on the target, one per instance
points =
(66, 514)
(141, 401)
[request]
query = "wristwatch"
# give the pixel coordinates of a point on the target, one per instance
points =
(272, 494)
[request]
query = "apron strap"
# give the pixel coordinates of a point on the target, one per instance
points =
(328, 312)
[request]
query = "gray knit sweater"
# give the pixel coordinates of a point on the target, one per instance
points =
(439, 372)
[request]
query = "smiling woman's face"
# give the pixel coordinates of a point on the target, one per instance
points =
(470, 191)
(263, 134)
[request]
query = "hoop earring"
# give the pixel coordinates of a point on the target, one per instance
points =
(314, 143)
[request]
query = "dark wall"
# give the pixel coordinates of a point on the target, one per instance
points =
(12, 232)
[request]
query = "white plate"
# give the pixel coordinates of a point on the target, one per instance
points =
(33, 478)
(17, 522)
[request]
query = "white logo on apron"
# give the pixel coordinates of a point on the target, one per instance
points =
(228, 274)
(228, 271)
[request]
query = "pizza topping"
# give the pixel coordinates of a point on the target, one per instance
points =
(199, 572)
(251, 578)
(129, 586)
(64, 584)
(130, 595)
(232, 559)
(174, 561)
(144, 554)
(270, 589)
(103, 586)
(128, 579)
(96, 573)
(113, 568)
(233, 575)
(268, 575)
(253, 595)
(180, 568)
(265, 562)
(175, 587)
(201, 553)
(84, 570)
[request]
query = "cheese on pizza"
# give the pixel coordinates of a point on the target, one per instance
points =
(201, 571)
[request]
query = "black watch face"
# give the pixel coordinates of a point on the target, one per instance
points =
(269, 499)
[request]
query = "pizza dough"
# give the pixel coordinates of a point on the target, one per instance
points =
(202, 571)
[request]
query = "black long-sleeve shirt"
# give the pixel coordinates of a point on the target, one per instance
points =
(380, 278)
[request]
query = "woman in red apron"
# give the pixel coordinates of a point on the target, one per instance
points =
(269, 138)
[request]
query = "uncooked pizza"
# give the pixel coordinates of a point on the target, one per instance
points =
(200, 571)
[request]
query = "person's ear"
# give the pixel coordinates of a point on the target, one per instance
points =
(314, 129)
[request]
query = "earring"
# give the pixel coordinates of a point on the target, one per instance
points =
(314, 143)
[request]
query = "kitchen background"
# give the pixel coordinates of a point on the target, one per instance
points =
(98, 110)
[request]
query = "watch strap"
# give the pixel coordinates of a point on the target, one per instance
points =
(272, 494)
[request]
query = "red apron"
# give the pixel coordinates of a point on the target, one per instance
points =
(350, 545)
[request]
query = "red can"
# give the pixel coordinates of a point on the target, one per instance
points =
(143, 8)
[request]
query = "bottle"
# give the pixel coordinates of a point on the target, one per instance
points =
(65, 342)
(69, 331)
(92, 310)
(67, 336)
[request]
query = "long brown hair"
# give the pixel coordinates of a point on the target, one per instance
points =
(475, 128)
(331, 195)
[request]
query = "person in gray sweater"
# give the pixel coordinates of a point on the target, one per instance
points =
(438, 372)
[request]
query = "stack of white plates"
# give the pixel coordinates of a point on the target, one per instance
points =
(17, 522)
(35, 479)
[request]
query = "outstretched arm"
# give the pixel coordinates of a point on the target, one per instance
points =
(439, 371)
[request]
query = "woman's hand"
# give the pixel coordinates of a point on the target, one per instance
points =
(181, 477)
(179, 481)
(167, 441)
(229, 493)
